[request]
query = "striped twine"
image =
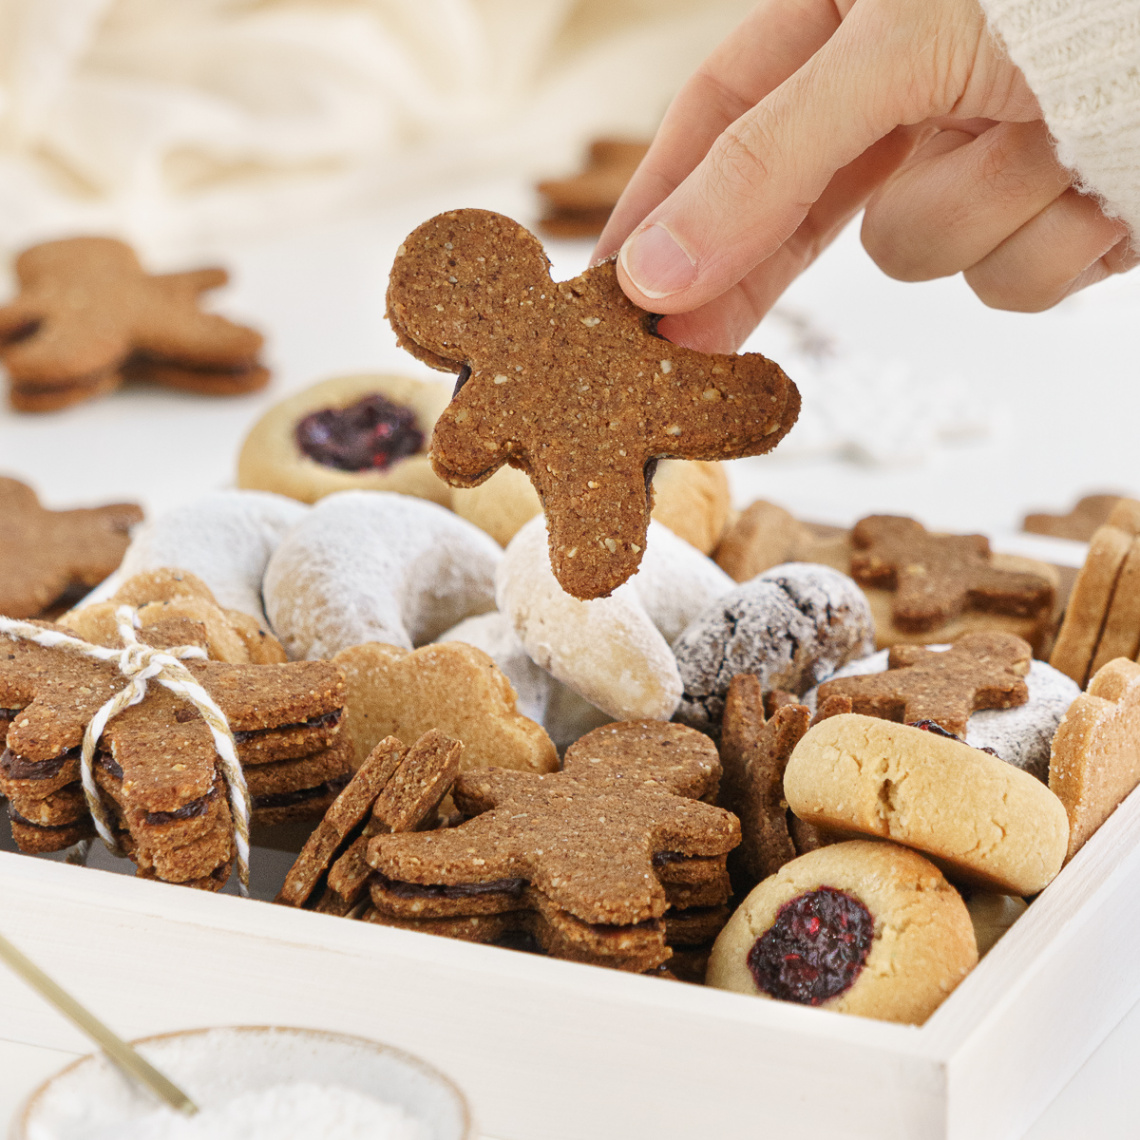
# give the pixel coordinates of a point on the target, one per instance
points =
(139, 664)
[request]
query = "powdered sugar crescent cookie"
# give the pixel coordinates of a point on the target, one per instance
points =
(1022, 736)
(351, 433)
(865, 928)
(225, 538)
(375, 566)
(984, 820)
(613, 651)
(792, 626)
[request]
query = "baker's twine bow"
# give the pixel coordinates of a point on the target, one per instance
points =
(141, 663)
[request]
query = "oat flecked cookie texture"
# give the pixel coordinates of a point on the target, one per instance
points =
(568, 382)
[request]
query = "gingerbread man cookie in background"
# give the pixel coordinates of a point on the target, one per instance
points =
(45, 555)
(88, 316)
(568, 382)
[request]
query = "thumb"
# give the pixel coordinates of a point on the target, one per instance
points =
(762, 175)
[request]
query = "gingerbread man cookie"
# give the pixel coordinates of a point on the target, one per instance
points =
(568, 382)
(979, 671)
(45, 554)
(86, 309)
(599, 852)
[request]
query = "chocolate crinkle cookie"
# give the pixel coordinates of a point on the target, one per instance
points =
(792, 626)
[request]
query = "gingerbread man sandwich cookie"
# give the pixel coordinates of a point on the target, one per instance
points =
(567, 381)
(88, 316)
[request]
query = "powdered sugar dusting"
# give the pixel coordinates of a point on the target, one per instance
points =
(792, 626)
(225, 538)
(255, 1083)
(377, 566)
(298, 1111)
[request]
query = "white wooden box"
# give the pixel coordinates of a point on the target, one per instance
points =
(551, 1050)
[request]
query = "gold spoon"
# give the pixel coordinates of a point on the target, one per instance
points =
(122, 1054)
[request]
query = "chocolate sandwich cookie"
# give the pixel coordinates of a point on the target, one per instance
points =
(156, 763)
(395, 789)
(574, 849)
(87, 316)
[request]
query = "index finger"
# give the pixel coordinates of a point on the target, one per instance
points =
(771, 43)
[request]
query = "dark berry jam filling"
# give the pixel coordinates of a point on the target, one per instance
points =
(368, 435)
(815, 948)
(934, 727)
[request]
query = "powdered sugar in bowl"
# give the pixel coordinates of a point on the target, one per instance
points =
(254, 1083)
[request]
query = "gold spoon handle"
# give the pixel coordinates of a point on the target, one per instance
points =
(114, 1046)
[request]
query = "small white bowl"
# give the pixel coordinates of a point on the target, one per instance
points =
(215, 1065)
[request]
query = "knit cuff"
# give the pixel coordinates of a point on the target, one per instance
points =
(1081, 58)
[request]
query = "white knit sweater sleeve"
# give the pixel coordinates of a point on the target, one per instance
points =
(1082, 60)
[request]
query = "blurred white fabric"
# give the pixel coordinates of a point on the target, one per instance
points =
(174, 122)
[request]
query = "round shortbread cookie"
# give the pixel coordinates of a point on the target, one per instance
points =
(690, 498)
(985, 821)
(1022, 736)
(375, 566)
(792, 626)
(271, 459)
(904, 939)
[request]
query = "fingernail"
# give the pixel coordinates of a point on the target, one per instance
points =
(657, 263)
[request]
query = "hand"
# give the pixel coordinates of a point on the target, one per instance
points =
(813, 109)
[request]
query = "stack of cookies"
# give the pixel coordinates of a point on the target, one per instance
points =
(88, 316)
(608, 861)
(1102, 620)
(156, 764)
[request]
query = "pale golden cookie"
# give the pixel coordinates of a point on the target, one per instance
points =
(1096, 750)
(922, 944)
(453, 687)
(692, 500)
(271, 459)
(1089, 602)
(159, 595)
(1120, 636)
(985, 821)
(762, 536)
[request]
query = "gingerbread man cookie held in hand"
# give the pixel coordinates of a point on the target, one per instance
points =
(568, 382)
